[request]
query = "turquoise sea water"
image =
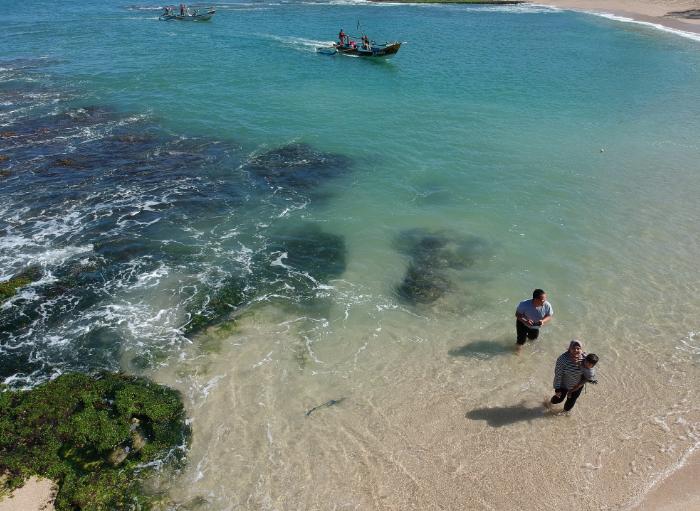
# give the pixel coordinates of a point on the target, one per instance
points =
(392, 212)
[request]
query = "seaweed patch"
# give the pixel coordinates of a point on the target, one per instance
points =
(432, 254)
(98, 437)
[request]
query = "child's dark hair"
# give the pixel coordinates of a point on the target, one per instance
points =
(591, 358)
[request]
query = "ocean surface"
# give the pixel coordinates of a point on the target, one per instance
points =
(268, 229)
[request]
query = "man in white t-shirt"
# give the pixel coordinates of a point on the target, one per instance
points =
(531, 315)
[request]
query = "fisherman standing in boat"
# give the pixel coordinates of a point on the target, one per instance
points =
(341, 37)
(182, 9)
(365, 42)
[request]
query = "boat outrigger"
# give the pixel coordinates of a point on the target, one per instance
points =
(185, 14)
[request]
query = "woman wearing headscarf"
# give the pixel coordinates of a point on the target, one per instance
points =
(568, 373)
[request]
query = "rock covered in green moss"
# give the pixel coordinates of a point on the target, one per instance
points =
(9, 287)
(96, 436)
(208, 309)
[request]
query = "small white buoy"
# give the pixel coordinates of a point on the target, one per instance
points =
(602, 150)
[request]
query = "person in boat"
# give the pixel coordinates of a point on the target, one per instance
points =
(365, 43)
(166, 11)
(182, 9)
(342, 36)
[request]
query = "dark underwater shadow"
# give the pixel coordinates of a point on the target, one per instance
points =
(483, 349)
(504, 415)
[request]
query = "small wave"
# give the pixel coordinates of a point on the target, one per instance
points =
(690, 344)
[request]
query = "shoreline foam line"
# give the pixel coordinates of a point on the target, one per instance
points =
(695, 36)
(624, 19)
(662, 477)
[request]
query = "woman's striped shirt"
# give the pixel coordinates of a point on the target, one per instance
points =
(567, 373)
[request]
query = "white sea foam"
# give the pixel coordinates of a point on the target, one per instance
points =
(144, 8)
(299, 43)
(151, 279)
(45, 258)
(278, 261)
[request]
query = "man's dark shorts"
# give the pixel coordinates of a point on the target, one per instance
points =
(526, 333)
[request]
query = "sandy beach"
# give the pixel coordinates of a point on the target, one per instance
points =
(669, 13)
(37, 494)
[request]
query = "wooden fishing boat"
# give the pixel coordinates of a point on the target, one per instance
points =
(188, 17)
(356, 50)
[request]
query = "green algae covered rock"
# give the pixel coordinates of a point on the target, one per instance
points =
(96, 436)
(9, 287)
(208, 310)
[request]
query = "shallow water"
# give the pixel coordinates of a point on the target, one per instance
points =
(219, 207)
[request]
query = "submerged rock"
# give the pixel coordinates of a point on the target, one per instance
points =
(310, 250)
(297, 167)
(440, 249)
(291, 268)
(422, 284)
(123, 249)
(209, 307)
(295, 262)
(432, 254)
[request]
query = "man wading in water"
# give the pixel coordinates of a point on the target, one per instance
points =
(530, 316)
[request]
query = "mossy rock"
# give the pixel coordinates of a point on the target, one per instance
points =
(10, 287)
(422, 285)
(211, 307)
(96, 436)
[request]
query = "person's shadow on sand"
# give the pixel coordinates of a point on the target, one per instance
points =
(498, 416)
(482, 349)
